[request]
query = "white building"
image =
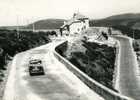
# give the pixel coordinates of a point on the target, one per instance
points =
(76, 25)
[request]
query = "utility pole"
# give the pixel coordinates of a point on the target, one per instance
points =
(33, 27)
(17, 27)
(33, 24)
(27, 22)
(110, 31)
(133, 34)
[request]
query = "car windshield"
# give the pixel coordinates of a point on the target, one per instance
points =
(35, 61)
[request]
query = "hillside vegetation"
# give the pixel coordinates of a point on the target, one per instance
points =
(11, 43)
(97, 61)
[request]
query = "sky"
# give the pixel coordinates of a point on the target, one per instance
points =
(22, 12)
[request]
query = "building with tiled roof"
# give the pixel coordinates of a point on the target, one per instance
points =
(75, 25)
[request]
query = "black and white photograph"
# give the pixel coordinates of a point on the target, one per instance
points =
(69, 49)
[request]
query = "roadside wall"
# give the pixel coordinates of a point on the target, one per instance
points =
(117, 62)
(105, 92)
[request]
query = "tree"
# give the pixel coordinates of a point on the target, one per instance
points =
(53, 33)
(105, 35)
(109, 31)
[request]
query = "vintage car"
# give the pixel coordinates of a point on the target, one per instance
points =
(36, 67)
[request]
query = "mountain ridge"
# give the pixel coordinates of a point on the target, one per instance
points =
(51, 23)
(131, 20)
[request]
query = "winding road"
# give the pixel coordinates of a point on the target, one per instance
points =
(129, 77)
(58, 83)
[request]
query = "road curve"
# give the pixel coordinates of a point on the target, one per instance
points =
(58, 83)
(129, 79)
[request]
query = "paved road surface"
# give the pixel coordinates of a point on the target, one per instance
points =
(129, 79)
(58, 83)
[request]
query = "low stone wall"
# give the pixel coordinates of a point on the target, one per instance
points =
(115, 80)
(105, 92)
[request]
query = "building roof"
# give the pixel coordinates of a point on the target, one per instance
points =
(77, 17)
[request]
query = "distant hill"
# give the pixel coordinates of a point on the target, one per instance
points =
(11, 27)
(129, 20)
(125, 16)
(41, 24)
(47, 24)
